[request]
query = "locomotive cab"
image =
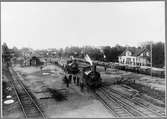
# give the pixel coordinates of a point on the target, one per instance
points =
(93, 78)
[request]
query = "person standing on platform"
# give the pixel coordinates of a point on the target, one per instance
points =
(41, 67)
(70, 77)
(66, 81)
(77, 80)
(74, 78)
(75, 70)
(105, 68)
(82, 86)
(82, 81)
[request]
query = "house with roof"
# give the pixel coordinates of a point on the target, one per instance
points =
(135, 57)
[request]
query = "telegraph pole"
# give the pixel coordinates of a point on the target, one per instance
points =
(151, 59)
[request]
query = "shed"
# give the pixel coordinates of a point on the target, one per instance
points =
(35, 61)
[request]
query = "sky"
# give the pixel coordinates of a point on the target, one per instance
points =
(41, 25)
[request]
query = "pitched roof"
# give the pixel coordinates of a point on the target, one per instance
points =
(134, 51)
(140, 51)
(34, 54)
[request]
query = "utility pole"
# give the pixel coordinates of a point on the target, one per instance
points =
(151, 59)
(84, 51)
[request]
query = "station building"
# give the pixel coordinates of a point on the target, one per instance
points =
(135, 57)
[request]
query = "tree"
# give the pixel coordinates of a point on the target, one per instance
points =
(16, 51)
(107, 52)
(6, 54)
(60, 52)
(146, 45)
(113, 53)
(158, 54)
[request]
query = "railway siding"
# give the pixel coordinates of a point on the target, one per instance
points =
(129, 108)
(117, 103)
(29, 107)
(141, 102)
(114, 108)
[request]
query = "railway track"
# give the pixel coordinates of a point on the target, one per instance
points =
(133, 111)
(136, 108)
(28, 105)
(116, 109)
(121, 107)
(142, 103)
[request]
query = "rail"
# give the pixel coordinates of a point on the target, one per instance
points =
(29, 107)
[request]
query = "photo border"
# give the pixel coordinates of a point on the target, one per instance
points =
(90, 1)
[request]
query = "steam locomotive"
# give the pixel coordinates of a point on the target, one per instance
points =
(72, 67)
(87, 74)
(92, 78)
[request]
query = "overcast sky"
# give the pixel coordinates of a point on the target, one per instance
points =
(55, 25)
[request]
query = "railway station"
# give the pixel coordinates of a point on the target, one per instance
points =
(94, 77)
(59, 90)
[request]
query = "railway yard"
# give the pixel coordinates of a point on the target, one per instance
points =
(83, 60)
(43, 94)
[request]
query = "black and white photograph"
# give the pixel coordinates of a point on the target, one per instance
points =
(83, 59)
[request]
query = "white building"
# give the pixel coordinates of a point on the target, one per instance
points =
(135, 57)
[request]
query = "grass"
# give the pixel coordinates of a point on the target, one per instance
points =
(5, 84)
(4, 90)
(160, 95)
(144, 89)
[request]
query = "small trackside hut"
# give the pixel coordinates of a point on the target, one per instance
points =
(35, 61)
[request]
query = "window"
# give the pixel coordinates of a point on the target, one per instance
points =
(128, 60)
(128, 53)
(147, 54)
